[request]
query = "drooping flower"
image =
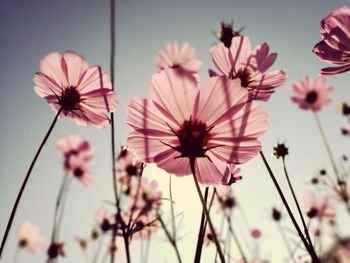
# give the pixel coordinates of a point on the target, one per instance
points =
(214, 125)
(312, 95)
(81, 92)
(74, 146)
(335, 46)
(117, 248)
(180, 57)
(29, 237)
(249, 66)
(318, 207)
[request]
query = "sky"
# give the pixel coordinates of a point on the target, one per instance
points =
(31, 29)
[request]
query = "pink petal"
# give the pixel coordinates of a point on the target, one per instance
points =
(51, 66)
(220, 56)
(74, 67)
(174, 94)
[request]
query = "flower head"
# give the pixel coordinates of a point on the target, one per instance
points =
(335, 46)
(214, 125)
(74, 146)
(345, 109)
(249, 66)
(312, 95)
(180, 57)
(319, 208)
(345, 131)
(81, 92)
(29, 237)
(77, 156)
(280, 150)
(227, 32)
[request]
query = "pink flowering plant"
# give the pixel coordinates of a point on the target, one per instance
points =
(203, 128)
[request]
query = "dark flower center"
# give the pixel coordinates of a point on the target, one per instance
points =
(280, 151)
(210, 237)
(105, 225)
(22, 243)
(193, 138)
(78, 172)
(55, 250)
(312, 212)
(243, 75)
(131, 170)
(276, 215)
(69, 99)
(311, 97)
(229, 202)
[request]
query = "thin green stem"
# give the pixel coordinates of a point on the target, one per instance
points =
(235, 238)
(221, 255)
(172, 208)
(306, 244)
(61, 213)
(171, 240)
(328, 148)
(14, 209)
(306, 230)
(58, 202)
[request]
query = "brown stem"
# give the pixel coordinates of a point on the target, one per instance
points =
(221, 255)
(308, 247)
(14, 209)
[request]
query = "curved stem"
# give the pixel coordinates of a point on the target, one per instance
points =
(63, 204)
(171, 240)
(14, 209)
(221, 255)
(58, 202)
(328, 148)
(172, 208)
(235, 238)
(201, 232)
(308, 246)
(306, 230)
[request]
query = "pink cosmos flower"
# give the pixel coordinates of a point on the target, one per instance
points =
(179, 57)
(29, 237)
(73, 146)
(224, 198)
(77, 156)
(335, 46)
(81, 170)
(312, 95)
(249, 66)
(145, 227)
(128, 166)
(81, 92)
(214, 125)
(319, 208)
